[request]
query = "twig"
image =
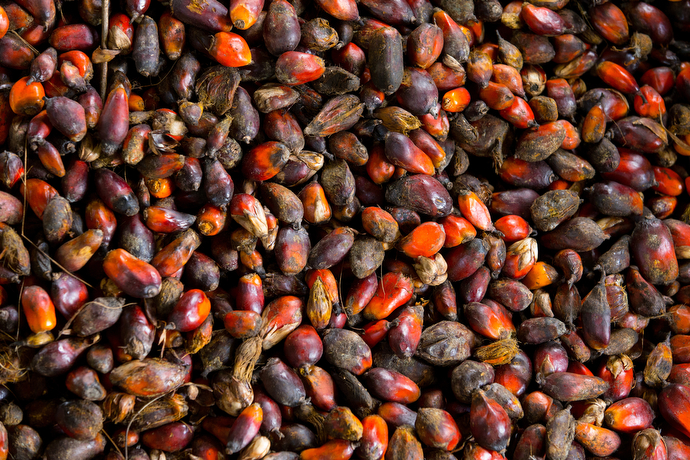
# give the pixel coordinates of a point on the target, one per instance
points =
(54, 261)
(113, 442)
(129, 425)
(104, 44)
(26, 43)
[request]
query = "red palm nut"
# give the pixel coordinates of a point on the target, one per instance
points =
(436, 428)
(374, 441)
(609, 21)
(513, 228)
(38, 309)
(489, 423)
(134, 276)
(519, 114)
(230, 50)
(265, 160)
(651, 246)
(295, 68)
(190, 311)
(617, 77)
(668, 181)
(424, 45)
(661, 79)
(458, 230)
(113, 124)
(629, 415)
(73, 37)
(496, 96)
(673, 404)
(402, 152)
(303, 347)
(542, 21)
(391, 386)
(172, 437)
(649, 103)
(172, 35)
(494, 323)
(648, 444)
(393, 291)
(360, 294)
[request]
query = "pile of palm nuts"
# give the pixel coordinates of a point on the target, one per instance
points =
(330, 229)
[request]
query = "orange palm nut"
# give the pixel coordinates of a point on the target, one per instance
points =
(393, 291)
(474, 210)
(456, 100)
(594, 125)
(327, 279)
(211, 220)
(132, 275)
(27, 98)
(458, 230)
(541, 275)
(617, 77)
(337, 449)
(242, 324)
(513, 227)
(244, 13)
(668, 181)
(4, 22)
(572, 135)
(380, 170)
(136, 103)
(496, 96)
(172, 35)
(424, 241)
(424, 45)
(230, 50)
(519, 114)
(315, 203)
(38, 309)
(599, 441)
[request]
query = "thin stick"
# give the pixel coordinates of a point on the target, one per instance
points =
(104, 45)
(55, 262)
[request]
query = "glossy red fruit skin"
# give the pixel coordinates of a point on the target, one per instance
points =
(660, 78)
(190, 311)
(132, 275)
(303, 347)
(610, 22)
(542, 21)
(651, 246)
(391, 386)
(673, 403)
(489, 422)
